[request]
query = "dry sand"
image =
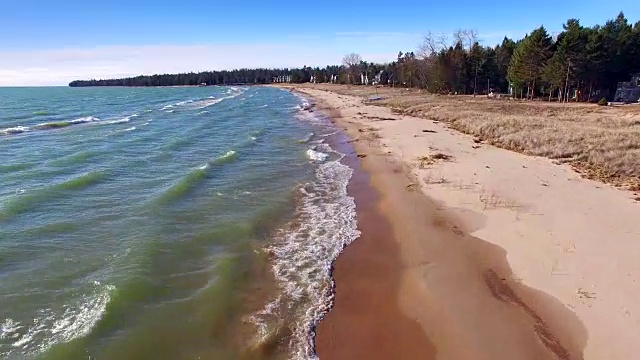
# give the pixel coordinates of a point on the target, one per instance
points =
(507, 256)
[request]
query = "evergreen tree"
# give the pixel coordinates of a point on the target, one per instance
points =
(553, 75)
(504, 52)
(588, 60)
(529, 59)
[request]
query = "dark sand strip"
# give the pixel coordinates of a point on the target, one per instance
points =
(367, 322)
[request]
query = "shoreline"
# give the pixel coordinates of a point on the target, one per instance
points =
(501, 255)
(382, 309)
(369, 263)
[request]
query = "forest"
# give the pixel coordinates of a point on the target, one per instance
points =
(582, 63)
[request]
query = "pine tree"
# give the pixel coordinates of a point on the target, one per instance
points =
(529, 59)
(553, 74)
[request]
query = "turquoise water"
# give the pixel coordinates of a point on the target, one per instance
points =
(166, 223)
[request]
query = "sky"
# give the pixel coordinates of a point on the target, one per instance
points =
(47, 42)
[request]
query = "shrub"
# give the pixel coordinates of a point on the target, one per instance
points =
(603, 102)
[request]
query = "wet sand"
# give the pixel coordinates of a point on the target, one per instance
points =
(417, 285)
(367, 321)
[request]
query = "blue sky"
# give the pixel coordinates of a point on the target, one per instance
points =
(53, 42)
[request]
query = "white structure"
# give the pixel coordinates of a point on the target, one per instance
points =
(364, 79)
(378, 78)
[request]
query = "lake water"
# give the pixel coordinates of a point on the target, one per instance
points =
(166, 223)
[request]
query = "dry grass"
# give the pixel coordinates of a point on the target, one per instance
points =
(425, 161)
(602, 143)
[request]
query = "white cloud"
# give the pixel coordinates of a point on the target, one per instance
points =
(60, 66)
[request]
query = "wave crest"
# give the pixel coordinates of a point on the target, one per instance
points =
(186, 184)
(54, 326)
(21, 203)
(14, 130)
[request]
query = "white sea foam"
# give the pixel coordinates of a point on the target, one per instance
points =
(48, 125)
(9, 329)
(304, 250)
(304, 114)
(14, 130)
(130, 129)
(206, 103)
(317, 155)
(83, 120)
(227, 154)
(305, 104)
(125, 119)
(303, 253)
(54, 326)
(118, 121)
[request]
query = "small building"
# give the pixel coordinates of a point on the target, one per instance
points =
(628, 91)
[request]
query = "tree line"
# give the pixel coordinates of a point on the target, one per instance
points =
(581, 63)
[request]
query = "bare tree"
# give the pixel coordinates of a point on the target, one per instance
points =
(472, 37)
(429, 46)
(459, 37)
(443, 40)
(352, 63)
(466, 37)
(352, 59)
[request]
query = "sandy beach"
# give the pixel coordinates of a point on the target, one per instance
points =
(469, 251)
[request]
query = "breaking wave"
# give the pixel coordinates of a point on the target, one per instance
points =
(125, 119)
(63, 124)
(54, 326)
(14, 130)
(317, 155)
(303, 254)
(203, 103)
